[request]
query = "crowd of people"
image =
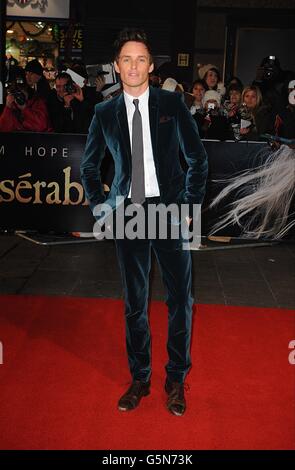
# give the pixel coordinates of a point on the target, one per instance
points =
(228, 111)
(233, 111)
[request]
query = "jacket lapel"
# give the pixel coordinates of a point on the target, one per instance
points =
(123, 125)
(154, 120)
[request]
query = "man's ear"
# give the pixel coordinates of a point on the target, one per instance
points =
(116, 67)
(151, 68)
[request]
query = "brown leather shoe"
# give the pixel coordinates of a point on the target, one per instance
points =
(132, 397)
(176, 403)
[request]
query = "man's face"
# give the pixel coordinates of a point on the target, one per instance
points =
(32, 78)
(60, 86)
(134, 65)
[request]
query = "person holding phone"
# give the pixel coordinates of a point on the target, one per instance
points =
(212, 122)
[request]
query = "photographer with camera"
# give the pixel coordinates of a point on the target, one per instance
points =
(212, 122)
(68, 110)
(91, 92)
(36, 80)
(24, 110)
(270, 80)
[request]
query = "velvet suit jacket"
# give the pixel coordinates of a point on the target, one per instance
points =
(171, 125)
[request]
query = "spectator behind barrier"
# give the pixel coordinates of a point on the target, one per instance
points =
(36, 80)
(198, 91)
(232, 105)
(212, 123)
(68, 110)
(270, 80)
(92, 95)
(286, 125)
(255, 115)
(11, 65)
(210, 76)
(155, 79)
(24, 110)
(233, 81)
(170, 84)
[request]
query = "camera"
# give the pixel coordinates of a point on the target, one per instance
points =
(70, 87)
(16, 90)
(211, 106)
(19, 97)
(269, 68)
(268, 73)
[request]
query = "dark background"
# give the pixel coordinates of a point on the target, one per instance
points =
(209, 31)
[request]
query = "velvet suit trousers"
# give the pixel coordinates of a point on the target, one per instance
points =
(134, 257)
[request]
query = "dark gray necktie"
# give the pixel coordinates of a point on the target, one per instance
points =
(137, 179)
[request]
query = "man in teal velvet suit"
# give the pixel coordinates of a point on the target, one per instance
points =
(143, 129)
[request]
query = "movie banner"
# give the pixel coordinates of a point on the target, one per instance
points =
(40, 185)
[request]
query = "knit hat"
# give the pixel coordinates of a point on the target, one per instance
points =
(35, 67)
(205, 68)
(291, 84)
(211, 95)
(170, 84)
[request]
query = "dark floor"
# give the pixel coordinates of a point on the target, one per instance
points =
(262, 276)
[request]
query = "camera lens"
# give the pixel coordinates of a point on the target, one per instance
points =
(70, 87)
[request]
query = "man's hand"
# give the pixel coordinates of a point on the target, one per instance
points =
(99, 83)
(67, 100)
(244, 130)
(78, 93)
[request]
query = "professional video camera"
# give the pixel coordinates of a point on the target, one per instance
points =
(268, 70)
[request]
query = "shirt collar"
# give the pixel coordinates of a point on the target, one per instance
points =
(143, 99)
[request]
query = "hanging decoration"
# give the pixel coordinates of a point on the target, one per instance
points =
(33, 35)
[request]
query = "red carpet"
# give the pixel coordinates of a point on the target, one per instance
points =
(65, 368)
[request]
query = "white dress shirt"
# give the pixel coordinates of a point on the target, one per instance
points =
(150, 177)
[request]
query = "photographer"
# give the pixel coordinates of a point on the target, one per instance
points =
(270, 80)
(36, 80)
(92, 94)
(68, 110)
(24, 110)
(212, 122)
